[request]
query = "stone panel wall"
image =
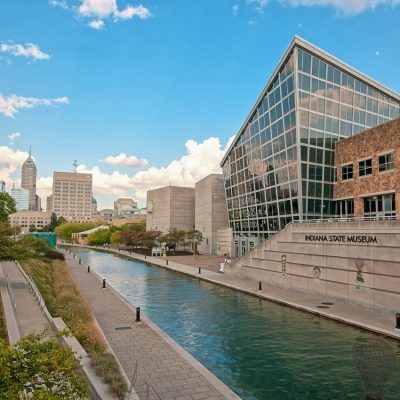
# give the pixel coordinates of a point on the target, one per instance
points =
(356, 262)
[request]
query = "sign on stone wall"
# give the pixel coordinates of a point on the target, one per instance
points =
(356, 239)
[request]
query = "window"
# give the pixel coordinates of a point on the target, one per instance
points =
(379, 206)
(345, 208)
(386, 162)
(347, 172)
(365, 167)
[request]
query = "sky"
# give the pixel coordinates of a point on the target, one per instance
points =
(146, 94)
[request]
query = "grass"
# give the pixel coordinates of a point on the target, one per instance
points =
(3, 327)
(63, 299)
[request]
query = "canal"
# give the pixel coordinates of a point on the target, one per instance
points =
(259, 349)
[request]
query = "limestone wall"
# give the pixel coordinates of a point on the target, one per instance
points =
(358, 262)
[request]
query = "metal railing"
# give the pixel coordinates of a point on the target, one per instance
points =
(145, 389)
(10, 292)
(350, 219)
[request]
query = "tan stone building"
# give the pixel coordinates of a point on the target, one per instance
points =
(368, 173)
(124, 205)
(211, 212)
(170, 207)
(25, 219)
(72, 195)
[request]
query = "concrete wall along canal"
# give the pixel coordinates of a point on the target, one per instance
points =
(355, 261)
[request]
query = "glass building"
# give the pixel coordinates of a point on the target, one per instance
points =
(280, 167)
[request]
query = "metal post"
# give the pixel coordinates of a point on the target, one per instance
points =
(137, 314)
(104, 283)
(259, 285)
(199, 270)
(145, 256)
(74, 255)
(166, 261)
(88, 268)
(398, 321)
(130, 252)
(80, 261)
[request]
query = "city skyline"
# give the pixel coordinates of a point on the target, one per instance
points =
(152, 98)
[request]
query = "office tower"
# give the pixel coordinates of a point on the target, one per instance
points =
(28, 180)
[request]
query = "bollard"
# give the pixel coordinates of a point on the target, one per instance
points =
(259, 285)
(145, 256)
(166, 261)
(80, 261)
(88, 268)
(104, 283)
(398, 321)
(137, 314)
(119, 250)
(74, 255)
(199, 270)
(130, 252)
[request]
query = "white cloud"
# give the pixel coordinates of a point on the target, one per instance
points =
(252, 22)
(13, 136)
(60, 3)
(29, 50)
(344, 7)
(377, 53)
(102, 9)
(200, 159)
(126, 161)
(300, 25)
(235, 9)
(96, 24)
(10, 105)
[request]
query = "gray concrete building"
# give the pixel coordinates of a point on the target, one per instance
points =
(124, 206)
(26, 219)
(211, 212)
(72, 195)
(170, 207)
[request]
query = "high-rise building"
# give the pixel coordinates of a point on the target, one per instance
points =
(280, 167)
(21, 197)
(2, 186)
(28, 180)
(72, 195)
(49, 203)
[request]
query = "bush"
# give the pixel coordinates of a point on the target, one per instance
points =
(54, 255)
(35, 368)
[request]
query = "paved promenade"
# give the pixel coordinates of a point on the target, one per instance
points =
(28, 315)
(365, 318)
(170, 370)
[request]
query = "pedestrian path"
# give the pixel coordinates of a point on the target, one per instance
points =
(28, 314)
(164, 369)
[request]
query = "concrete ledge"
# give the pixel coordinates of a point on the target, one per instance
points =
(11, 322)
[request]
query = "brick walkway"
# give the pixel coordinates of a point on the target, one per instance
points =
(28, 314)
(172, 372)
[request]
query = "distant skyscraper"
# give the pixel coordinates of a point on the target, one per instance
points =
(2, 186)
(72, 195)
(28, 180)
(21, 197)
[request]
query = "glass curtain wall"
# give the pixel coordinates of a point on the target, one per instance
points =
(332, 105)
(261, 177)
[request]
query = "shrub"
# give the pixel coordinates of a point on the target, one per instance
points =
(54, 255)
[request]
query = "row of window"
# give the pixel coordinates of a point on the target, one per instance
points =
(374, 206)
(385, 163)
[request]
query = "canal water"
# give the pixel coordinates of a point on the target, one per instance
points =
(259, 349)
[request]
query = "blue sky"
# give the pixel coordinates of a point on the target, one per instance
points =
(165, 82)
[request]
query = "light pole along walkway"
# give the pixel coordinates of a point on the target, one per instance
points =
(162, 364)
(27, 312)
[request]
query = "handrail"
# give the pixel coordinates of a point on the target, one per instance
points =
(10, 292)
(349, 219)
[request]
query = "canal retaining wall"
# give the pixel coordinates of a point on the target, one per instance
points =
(358, 262)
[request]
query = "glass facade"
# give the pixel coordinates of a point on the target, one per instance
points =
(281, 166)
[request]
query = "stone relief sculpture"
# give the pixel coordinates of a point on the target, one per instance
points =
(359, 266)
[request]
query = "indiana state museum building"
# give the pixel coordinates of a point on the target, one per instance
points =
(312, 182)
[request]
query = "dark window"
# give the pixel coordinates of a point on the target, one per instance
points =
(347, 172)
(365, 167)
(386, 162)
(345, 208)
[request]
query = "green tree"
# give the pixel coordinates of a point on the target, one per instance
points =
(39, 246)
(39, 369)
(195, 237)
(65, 230)
(7, 206)
(100, 237)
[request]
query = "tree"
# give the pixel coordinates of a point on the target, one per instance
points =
(100, 237)
(38, 369)
(7, 206)
(175, 235)
(116, 237)
(65, 230)
(195, 237)
(39, 246)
